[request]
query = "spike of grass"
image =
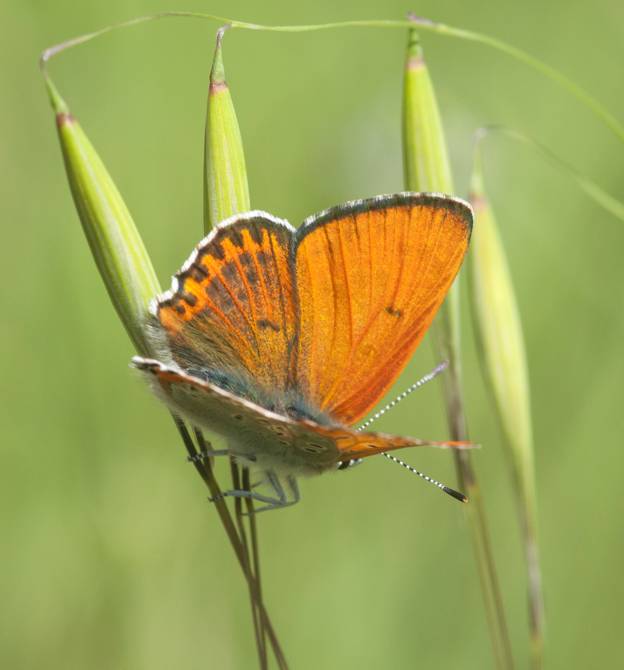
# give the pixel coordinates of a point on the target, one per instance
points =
(503, 357)
(128, 274)
(226, 192)
(427, 168)
(115, 243)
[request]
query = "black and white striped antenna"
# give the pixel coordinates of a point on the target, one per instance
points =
(416, 385)
(410, 389)
(458, 495)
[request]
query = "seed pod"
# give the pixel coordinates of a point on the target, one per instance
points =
(226, 191)
(427, 168)
(115, 243)
(501, 345)
(425, 156)
(500, 333)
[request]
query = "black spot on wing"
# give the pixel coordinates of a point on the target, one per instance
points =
(393, 311)
(265, 324)
(189, 299)
(219, 295)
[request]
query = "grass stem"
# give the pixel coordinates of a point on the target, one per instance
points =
(205, 471)
(486, 566)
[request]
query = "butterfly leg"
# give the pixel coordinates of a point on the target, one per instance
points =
(272, 502)
(281, 500)
(278, 501)
(294, 487)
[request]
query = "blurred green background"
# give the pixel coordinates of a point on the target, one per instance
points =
(111, 556)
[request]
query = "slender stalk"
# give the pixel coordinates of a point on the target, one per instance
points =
(596, 193)
(253, 584)
(204, 469)
(466, 475)
(253, 531)
(255, 554)
(502, 354)
(226, 193)
(423, 24)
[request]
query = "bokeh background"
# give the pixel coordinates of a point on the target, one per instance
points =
(111, 556)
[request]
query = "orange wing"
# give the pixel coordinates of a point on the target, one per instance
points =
(230, 316)
(370, 277)
(352, 444)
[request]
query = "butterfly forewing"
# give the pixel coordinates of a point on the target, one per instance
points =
(370, 278)
(230, 316)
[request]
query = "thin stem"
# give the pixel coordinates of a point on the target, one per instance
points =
(252, 583)
(589, 186)
(253, 532)
(253, 529)
(494, 607)
(204, 469)
(423, 24)
(534, 594)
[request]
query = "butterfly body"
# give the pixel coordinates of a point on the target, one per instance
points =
(280, 339)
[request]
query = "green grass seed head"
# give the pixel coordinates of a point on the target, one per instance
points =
(501, 343)
(226, 191)
(427, 167)
(115, 242)
(499, 330)
(425, 155)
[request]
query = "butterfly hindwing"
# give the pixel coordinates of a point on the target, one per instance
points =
(274, 441)
(370, 277)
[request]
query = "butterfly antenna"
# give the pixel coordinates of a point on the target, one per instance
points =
(410, 389)
(421, 382)
(447, 489)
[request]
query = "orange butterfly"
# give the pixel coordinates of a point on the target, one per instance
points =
(278, 339)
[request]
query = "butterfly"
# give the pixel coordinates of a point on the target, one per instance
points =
(280, 339)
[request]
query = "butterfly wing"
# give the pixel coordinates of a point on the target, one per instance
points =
(230, 315)
(352, 444)
(205, 404)
(370, 277)
(273, 441)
